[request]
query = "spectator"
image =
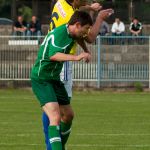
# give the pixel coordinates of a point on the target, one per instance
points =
(34, 28)
(135, 27)
(118, 28)
(20, 27)
(104, 29)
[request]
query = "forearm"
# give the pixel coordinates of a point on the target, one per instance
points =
(82, 43)
(86, 8)
(17, 29)
(133, 32)
(102, 15)
(63, 57)
(94, 30)
(68, 57)
(138, 31)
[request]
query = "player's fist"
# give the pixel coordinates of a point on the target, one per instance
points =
(95, 6)
(88, 59)
(83, 55)
(103, 14)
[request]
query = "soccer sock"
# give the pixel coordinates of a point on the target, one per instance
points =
(65, 132)
(55, 139)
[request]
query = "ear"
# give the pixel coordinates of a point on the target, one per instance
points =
(78, 24)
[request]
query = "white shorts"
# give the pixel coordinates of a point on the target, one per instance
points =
(66, 77)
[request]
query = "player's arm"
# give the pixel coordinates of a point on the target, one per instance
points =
(67, 57)
(82, 43)
(102, 15)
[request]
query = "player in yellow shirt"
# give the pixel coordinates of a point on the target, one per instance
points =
(62, 12)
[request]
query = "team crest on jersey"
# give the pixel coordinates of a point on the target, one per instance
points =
(61, 10)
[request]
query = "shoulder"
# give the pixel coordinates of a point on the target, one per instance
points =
(24, 22)
(131, 23)
(114, 24)
(61, 30)
(16, 23)
(121, 23)
(140, 23)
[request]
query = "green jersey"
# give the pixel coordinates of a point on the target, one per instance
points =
(58, 40)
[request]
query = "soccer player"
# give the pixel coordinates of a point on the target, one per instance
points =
(45, 76)
(61, 14)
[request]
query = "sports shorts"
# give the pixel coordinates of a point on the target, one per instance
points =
(50, 91)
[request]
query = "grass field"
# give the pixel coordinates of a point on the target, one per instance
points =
(104, 121)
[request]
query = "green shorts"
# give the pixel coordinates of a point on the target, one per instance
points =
(50, 91)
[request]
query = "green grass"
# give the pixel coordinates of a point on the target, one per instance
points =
(104, 121)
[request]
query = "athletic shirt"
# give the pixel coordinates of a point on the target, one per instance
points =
(61, 14)
(58, 40)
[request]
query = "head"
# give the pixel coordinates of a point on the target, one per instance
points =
(20, 19)
(135, 21)
(117, 20)
(34, 19)
(80, 24)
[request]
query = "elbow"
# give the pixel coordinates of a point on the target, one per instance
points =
(52, 58)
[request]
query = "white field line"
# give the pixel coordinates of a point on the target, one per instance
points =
(80, 134)
(96, 100)
(22, 135)
(17, 97)
(31, 122)
(17, 144)
(114, 134)
(82, 145)
(107, 145)
(18, 123)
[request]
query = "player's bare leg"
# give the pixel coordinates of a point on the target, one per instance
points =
(53, 113)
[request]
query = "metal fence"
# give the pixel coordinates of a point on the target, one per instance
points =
(116, 61)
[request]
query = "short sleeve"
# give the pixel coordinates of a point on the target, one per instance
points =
(54, 49)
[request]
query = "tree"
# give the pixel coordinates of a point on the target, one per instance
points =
(5, 8)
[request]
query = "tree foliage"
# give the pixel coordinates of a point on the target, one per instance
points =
(4, 3)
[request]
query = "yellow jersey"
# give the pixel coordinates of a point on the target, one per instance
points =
(61, 14)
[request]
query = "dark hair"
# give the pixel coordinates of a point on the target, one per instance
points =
(70, 1)
(82, 17)
(135, 18)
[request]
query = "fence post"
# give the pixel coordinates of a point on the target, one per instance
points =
(99, 61)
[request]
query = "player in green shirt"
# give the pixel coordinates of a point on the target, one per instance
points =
(45, 76)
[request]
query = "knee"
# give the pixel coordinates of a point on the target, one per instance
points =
(55, 119)
(68, 117)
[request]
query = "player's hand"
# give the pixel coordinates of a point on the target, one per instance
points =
(96, 7)
(88, 59)
(103, 14)
(81, 56)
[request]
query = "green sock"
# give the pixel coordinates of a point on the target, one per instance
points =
(55, 139)
(65, 132)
